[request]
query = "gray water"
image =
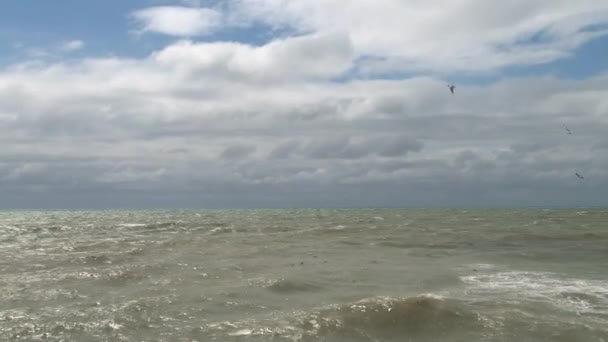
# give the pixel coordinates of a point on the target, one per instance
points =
(304, 275)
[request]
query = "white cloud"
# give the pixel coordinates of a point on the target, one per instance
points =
(267, 124)
(446, 35)
(171, 123)
(410, 35)
(177, 21)
(72, 45)
(314, 56)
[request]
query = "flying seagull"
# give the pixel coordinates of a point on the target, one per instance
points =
(567, 129)
(579, 176)
(451, 86)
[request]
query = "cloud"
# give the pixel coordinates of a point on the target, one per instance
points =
(237, 151)
(312, 56)
(397, 146)
(285, 123)
(128, 174)
(441, 36)
(338, 148)
(72, 45)
(284, 149)
(410, 36)
(177, 21)
(351, 148)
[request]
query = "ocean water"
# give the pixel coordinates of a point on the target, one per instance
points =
(304, 275)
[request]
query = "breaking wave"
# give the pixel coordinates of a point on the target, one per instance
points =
(393, 319)
(581, 296)
(421, 318)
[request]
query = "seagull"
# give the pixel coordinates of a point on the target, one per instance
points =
(567, 129)
(451, 86)
(579, 176)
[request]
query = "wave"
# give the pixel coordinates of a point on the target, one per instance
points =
(580, 296)
(152, 227)
(392, 318)
(426, 244)
(162, 226)
(426, 318)
(132, 225)
(420, 318)
(101, 259)
(285, 286)
(578, 237)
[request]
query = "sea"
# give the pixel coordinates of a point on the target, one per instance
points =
(305, 275)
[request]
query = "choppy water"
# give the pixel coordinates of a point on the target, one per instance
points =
(304, 275)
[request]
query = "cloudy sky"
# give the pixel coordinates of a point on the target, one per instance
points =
(303, 103)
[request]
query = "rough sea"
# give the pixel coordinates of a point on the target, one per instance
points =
(304, 275)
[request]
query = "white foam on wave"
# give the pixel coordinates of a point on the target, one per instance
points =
(131, 225)
(570, 294)
(241, 332)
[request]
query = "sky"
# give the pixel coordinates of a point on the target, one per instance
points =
(303, 103)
